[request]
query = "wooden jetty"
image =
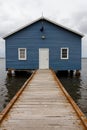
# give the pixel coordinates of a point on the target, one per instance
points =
(42, 104)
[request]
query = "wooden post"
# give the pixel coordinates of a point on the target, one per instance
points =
(71, 73)
(10, 72)
(77, 73)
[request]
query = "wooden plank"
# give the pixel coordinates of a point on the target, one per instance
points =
(8, 107)
(43, 105)
(74, 105)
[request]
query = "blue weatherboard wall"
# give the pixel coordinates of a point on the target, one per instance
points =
(56, 38)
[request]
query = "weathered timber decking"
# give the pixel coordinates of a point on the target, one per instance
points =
(43, 106)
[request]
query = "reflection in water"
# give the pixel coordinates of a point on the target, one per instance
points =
(77, 88)
(12, 85)
(72, 85)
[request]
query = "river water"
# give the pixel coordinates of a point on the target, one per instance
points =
(9, 85)
(76, 86)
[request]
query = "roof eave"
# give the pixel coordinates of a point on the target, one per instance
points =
(57, 24)
(24, 26)
(71, 30)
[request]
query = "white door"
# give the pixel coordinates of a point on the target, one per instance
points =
(43, 58)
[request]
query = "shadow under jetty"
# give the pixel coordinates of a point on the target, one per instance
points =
(20, 72)
(66, 73)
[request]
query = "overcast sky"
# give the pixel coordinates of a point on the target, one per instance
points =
(70, 13)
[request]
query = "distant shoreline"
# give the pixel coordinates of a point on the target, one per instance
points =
(2, 57)
(84, 57)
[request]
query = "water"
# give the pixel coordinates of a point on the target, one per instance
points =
(77, 87)
(8, 85)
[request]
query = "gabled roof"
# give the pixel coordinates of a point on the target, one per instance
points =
(57, 24)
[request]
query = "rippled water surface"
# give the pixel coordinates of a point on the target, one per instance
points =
(77, 87)
(8, 85)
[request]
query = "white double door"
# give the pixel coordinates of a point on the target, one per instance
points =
(43, 58)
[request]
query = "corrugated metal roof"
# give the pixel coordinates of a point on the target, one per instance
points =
(44, 18)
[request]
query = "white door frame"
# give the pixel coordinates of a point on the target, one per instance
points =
(43, 58)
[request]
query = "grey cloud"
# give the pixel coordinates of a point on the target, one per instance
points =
(70, 13)
(77, 21)
(80, 21)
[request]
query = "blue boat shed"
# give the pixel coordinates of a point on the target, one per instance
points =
(43, 44)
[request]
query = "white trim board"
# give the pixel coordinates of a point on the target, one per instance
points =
(19, 58)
